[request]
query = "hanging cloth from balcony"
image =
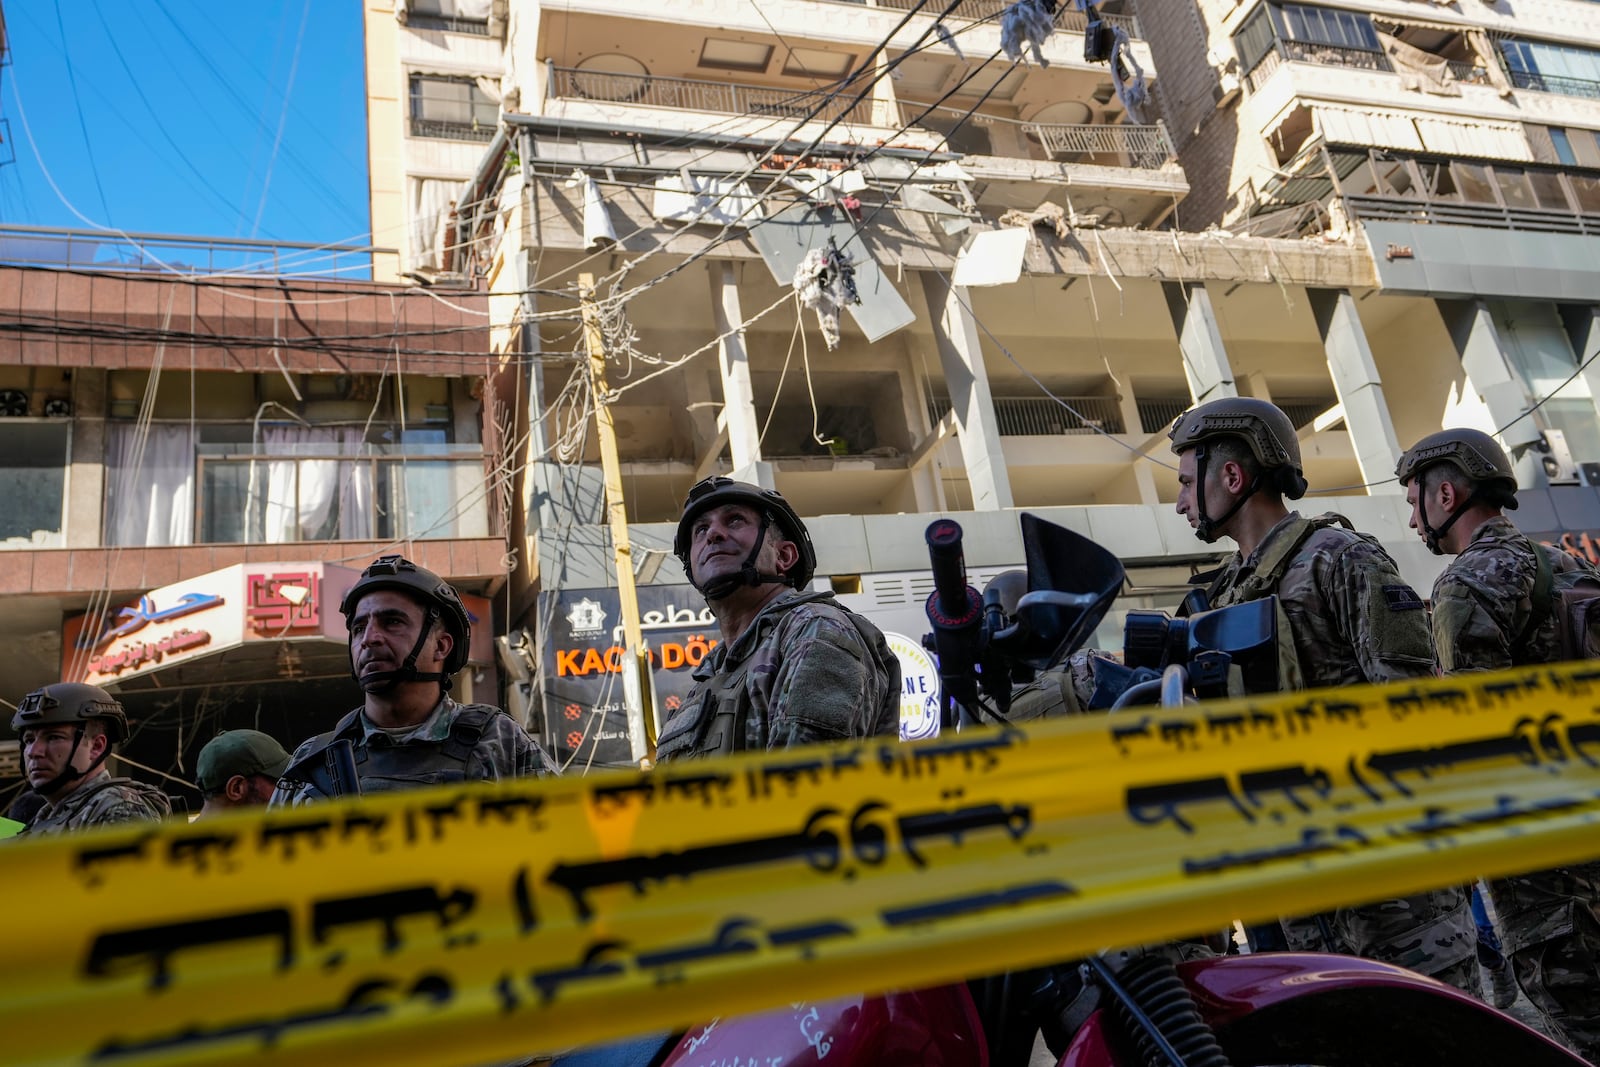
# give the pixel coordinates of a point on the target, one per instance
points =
(1489, 60)
(1127, 76)
(1420, 72)
(1027, 23)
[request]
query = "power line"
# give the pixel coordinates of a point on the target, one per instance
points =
(161, 128)
(283, 117)
(77, 104)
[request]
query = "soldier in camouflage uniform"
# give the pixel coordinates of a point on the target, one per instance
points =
(408, 636)
(67, 731)
(1485, 618)
(1352, 619)
(794, 667)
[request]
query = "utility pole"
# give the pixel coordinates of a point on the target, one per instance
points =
(641, 724)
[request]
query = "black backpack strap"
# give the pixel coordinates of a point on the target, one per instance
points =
(1543, 595)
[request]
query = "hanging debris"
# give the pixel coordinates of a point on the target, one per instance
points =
(825, 282)
(1030, 23)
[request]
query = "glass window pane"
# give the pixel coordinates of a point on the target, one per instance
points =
(1575, 418)
(1563, 146)
(1254, 39)
(1473, 183)
(33, 473)
(1547, 190)
(1514, 188)
(224, 490)
(1587, 191)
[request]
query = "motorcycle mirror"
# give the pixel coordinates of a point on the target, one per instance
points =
(1071, 584)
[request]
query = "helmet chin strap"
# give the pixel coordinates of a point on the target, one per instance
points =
(70, 774)
(1430, 535)
(717, 588)
(1209, 529)
(388, 681)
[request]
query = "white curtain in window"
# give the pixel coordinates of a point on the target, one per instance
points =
(149, 499)
(311, 499)
(430, 201)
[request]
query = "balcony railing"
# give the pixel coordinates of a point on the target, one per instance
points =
(1158, 415)
(452, 131)
(1024, 416)
(1356, 58)
(1394, 209)
(448, 23)
(721, 97)
(43, 246)
(1067, 18)
(1144, 147)
(1553, 83)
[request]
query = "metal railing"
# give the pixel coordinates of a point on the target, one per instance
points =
(694, 95)
(1327, 55)
(1554, 83)
(448, 23)
(1144, 147)
(1067, 18)
(1026, 416)
(44, 246)
(453, 131)
(1302, 412)
(1389, 209)
(1158, 415)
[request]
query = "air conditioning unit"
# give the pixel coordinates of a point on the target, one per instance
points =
(1556, 458)
(1229, 86)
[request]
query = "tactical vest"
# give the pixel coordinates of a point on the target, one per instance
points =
(717, 725)
(1266, 578)
(384, 766)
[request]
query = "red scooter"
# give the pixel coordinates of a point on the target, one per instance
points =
(1119, 1009)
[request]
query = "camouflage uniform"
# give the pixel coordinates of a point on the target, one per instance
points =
(101, 801)
(1063, 691)
(1484, 620)
(443, 748)
(1353, 620)
(806, 670)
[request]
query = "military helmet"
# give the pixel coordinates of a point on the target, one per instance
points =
(433, 592)
(1479, 456)
(716, 491)
(71, 704)
(1261, 425)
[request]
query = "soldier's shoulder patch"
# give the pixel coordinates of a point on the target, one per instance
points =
(1402, 598)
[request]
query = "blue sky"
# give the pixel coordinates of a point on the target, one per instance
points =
(242, 119)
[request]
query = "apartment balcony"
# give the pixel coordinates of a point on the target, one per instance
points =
(719, 97)
(1036, 416)
(1325, 55)
(1068, 18)
(1553, 83)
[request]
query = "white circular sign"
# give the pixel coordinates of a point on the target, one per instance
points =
(919, 688)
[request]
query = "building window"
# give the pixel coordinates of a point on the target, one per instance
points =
(1563, 146)
(1552, 68)
(451, 16)
(1329, 27)
(453, 108)
(33, 479)
(747, 56)
(1254, 39)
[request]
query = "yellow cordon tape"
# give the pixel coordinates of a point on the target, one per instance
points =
(459, 926)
